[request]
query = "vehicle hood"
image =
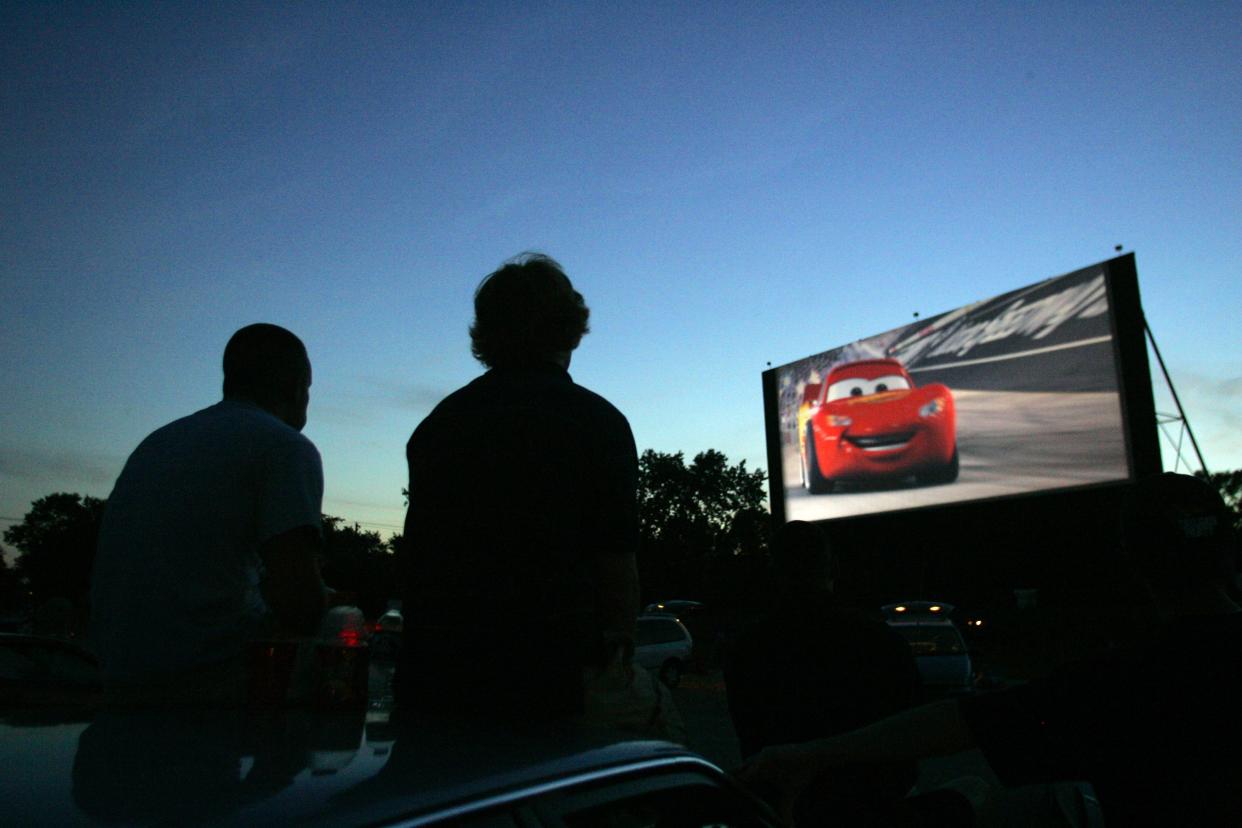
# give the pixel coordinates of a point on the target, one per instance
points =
(276, 767)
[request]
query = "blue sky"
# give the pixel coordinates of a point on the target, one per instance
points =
(727, 184)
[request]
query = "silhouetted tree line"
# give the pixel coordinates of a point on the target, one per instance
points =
(12, 592)
(703, 526)
(361, 563)
(55, 542)
(1229, 484)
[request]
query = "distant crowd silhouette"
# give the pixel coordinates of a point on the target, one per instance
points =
(520, 592)
(1153, 727)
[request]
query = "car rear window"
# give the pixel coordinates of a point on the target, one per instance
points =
(937, 640)
(26, 662)
(658, 631)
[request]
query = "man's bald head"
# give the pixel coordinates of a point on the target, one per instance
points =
(268, 365)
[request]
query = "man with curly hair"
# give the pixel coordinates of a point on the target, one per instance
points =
(522, 526)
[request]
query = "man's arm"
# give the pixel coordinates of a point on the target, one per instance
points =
(745, 677)
(617, 579)
(616, 525)
(780, 774)
(291, 583)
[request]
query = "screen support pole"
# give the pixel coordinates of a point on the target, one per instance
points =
(1169, 382)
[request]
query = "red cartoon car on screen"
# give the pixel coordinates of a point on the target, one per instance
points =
(867, 422)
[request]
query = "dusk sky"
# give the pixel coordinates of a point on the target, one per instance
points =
(727, 184)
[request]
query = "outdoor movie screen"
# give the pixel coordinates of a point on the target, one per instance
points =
(1011, 395)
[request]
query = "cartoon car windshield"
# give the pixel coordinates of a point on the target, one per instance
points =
(861, 387)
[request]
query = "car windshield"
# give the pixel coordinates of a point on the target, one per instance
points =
(926, 641)
(863, 387)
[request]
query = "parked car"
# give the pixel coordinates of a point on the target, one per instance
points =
(386, 636)
(391, 621)
(675, 606)
(15, 622)
(664, 645)
(43, 670)
(939, 650)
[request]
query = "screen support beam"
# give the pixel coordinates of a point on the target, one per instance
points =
(1181, 413)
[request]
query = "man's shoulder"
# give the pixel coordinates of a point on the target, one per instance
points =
(598, 402)
(228, 423)
(551, 394)
(448, 410)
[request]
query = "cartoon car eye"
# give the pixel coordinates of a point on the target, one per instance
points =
(851, 387)
(891, 382)
(863, 387)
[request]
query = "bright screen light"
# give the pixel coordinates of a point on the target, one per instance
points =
(1011, 395)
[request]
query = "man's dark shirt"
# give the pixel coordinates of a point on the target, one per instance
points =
(1155, 729)
(518, 481)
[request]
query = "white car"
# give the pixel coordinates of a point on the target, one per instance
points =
(939, 651)
(663, 645)
(386, 638)
(391, 621)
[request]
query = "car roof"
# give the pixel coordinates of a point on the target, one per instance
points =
(337, 768)
(680, 603)
(912, 609)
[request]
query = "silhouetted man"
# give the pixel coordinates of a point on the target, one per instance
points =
(1154, 728)
(211, 535)
(522, 528)
(808, 668)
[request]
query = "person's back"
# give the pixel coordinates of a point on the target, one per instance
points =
(208, 514)
(521, 487)
(177, 579)
(510, 498)
(1153, 725)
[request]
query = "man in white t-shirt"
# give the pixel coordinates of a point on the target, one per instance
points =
(211, 535)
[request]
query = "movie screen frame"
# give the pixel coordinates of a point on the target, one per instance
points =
(933, 413)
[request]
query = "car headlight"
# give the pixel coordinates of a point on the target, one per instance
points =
(839, 421)
(932, 408)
